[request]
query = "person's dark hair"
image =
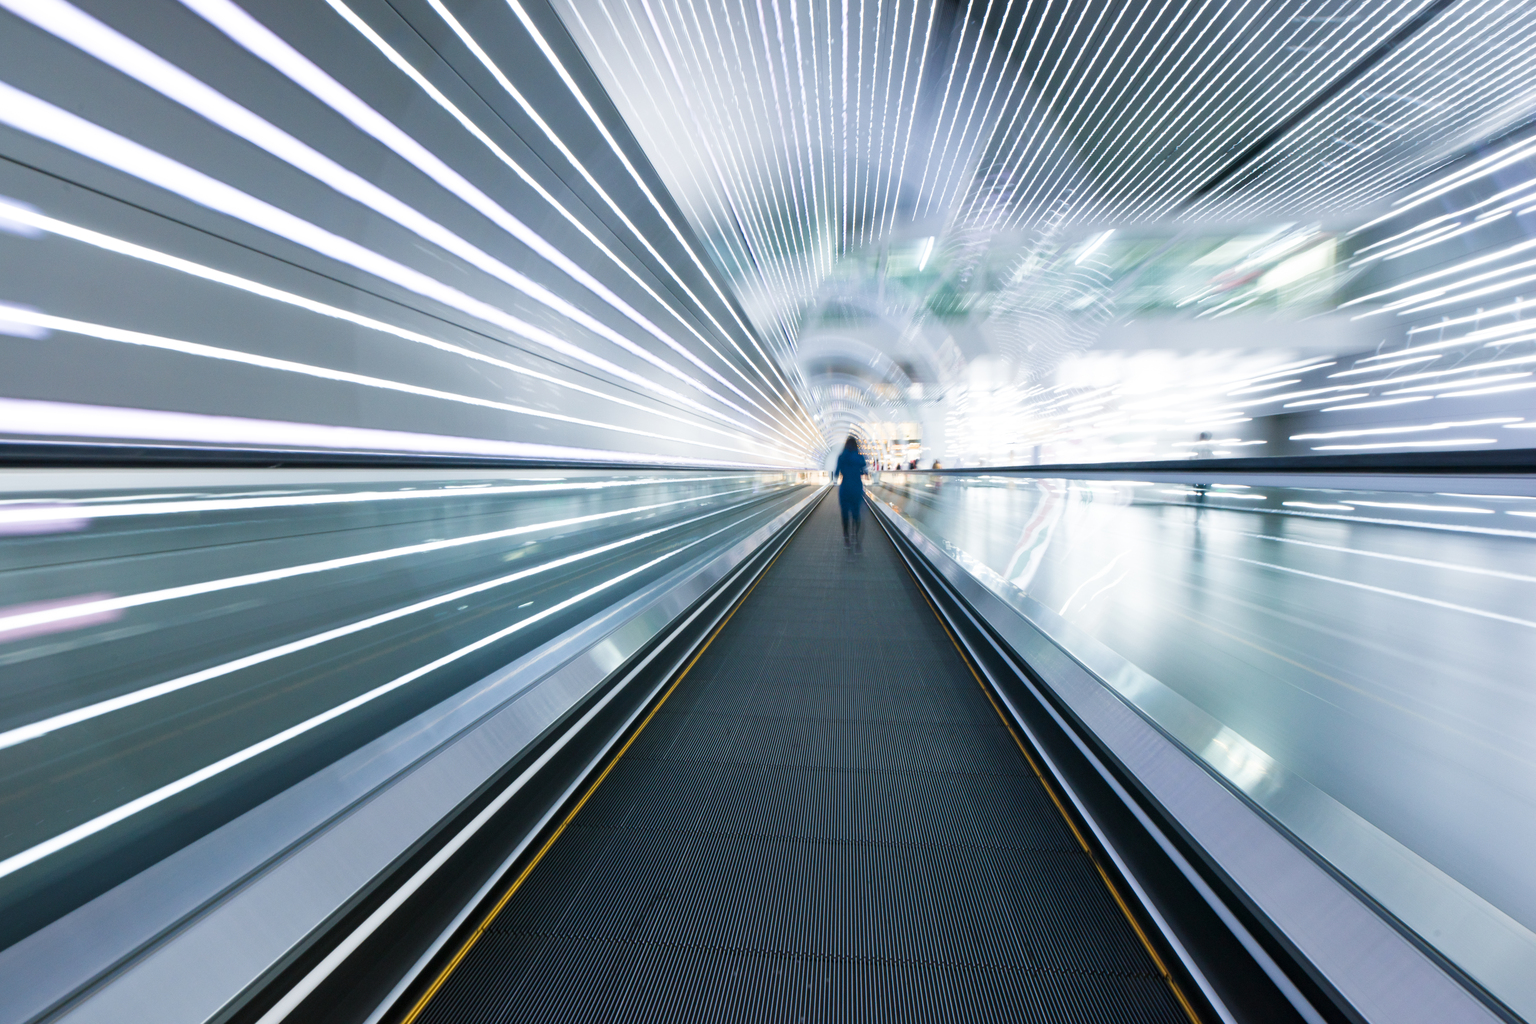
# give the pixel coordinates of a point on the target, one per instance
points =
(851, 445)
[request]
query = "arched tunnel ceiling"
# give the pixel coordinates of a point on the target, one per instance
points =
(924, 194)
(706, 233)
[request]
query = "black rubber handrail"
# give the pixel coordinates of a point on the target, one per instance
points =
(131, 455)
(1480, 463)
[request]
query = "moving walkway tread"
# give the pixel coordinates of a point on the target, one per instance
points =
(825, 820)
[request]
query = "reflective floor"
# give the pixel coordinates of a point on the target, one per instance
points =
(1379, 645)
(178, 646)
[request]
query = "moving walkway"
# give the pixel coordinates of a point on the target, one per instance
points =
(735, 770)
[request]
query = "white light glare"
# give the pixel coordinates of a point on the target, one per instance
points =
(1098, 240)
(922, 261)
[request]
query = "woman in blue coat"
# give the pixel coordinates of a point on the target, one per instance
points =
(851, 467)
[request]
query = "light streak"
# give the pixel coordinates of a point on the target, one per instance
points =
(1324, 401)
(1482, 314)
(1433, 302)
(1029, 93)
(917, 86)
(114, 334)
(753, 157)
(1476, 381)
(1406, 559)
(1528, 335)
(1093, 246)
(1448, 443)
(1488, 497)
(93, 609)
(1303, 394)
(1459, 342)
(485, 140)
(1264, 387)
(1423, 508)
(1436, 275)
(1058, 104)
(116, 508)
(1402, 595)
(1417, 229)
(970, 67)
(36, 117)
(1375, 405)
(581, 99)
(1108, 566)
(1384, 366)
(117, 605)
(1494, 364)
(31, 418)
(50, 225)
(927, 252)
(949, 81)
(1373, 431)
(739, 186)
(1481, 168)
(39, 618)
(101, 822)
(1415, 524)
(256, 38)
(133, 60)
(1444, 233)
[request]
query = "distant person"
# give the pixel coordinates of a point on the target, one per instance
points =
(1205, 448)
(851, 467)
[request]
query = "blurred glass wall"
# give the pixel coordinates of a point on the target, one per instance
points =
(1021, 233)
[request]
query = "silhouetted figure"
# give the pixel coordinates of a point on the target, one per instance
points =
(851, 468)
(1204, 449)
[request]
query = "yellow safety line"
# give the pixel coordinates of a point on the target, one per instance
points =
(426, 997)
(1050, 790)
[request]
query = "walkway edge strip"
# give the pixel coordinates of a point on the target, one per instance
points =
(495, 911)
(1104, 876)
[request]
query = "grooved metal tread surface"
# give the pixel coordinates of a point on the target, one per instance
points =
(826, 821)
